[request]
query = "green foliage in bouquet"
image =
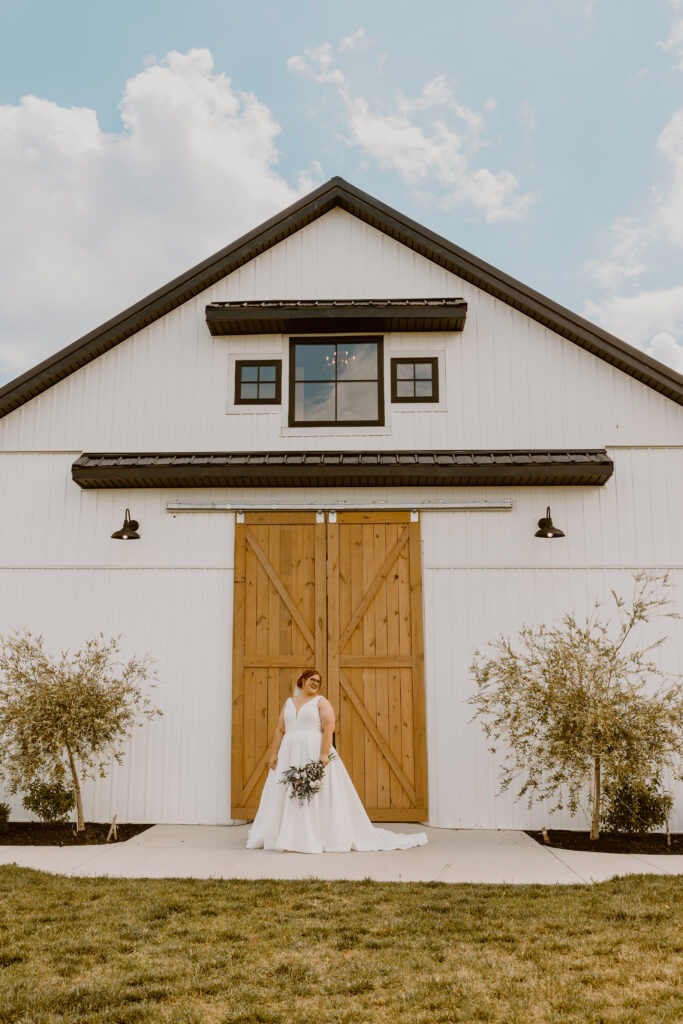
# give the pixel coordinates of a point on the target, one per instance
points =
(304, 781)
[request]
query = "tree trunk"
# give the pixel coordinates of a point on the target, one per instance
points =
(80, 823)
(595, 821)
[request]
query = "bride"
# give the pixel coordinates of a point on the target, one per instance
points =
(334, 820)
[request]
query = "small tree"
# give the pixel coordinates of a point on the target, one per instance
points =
(68, 715)
(572, 706)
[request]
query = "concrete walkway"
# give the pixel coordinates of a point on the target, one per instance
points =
(207, 851)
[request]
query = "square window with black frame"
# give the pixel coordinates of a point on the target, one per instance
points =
(415, 380)
(258, 382)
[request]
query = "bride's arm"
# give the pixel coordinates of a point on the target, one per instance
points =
(327, 722)
(277, 740)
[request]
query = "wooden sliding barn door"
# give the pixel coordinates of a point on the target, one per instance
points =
(344, 595)
(375, 666)
(279, 629)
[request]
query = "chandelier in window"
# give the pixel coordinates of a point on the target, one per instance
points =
(340, 358)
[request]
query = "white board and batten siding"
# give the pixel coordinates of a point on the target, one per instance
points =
(510, 382)
(507, 382)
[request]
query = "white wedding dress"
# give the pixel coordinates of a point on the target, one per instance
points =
(335, 820)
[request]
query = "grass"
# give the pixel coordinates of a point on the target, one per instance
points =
(240, 952)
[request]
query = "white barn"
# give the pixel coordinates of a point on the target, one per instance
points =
(337, 435)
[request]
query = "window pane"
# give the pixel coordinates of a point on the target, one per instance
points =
(267, 391)
(357, 401)
(405, 388)
(314, 362)
(335, 380)
(423, 389)
(423, 371)
(357, 362)
(314, 402)
(267, 372)
(249, 372)
(405, 371)
(249, 391)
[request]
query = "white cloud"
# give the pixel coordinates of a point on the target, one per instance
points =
(624, 263)
(318, 63)
(93, 221)
(666, 349)
(670, 144)
(674, 42)
(438, 93)
(651, 319)
(355, 42)
(527, 117)
(639, 318)
(636, 242)
(431, 140)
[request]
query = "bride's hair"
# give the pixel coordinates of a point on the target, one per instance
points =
(305, 675)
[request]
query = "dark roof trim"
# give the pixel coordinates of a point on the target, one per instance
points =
(343, 469)
(315, 316)
(338, 193)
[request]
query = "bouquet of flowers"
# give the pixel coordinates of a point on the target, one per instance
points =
(305, 781)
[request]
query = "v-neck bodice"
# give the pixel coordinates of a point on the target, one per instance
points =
(303, 719)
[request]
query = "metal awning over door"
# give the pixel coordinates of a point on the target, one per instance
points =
(342, 593)
(305, 469)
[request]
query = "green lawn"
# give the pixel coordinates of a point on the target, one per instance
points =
(101, 950)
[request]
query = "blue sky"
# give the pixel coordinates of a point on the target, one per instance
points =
(545, 136)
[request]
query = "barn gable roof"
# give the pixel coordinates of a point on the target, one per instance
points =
(338, 193)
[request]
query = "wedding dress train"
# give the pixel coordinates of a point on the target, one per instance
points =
(335, 820)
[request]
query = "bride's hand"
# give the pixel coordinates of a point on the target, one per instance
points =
(272, 764)
(325, 760)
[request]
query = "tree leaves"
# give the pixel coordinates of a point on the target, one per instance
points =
(73, 712)
(564, 696)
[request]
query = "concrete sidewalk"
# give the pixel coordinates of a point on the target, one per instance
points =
(207, 851)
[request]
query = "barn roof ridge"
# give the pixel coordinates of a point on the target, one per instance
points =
(338, 193)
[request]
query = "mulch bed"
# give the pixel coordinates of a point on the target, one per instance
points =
(38, 833)
(611, 842)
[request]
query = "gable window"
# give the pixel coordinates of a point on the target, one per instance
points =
(415, 380)
(336, 380)
(258, 382)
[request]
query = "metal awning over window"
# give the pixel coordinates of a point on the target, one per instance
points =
(344, 469)
(336, 316)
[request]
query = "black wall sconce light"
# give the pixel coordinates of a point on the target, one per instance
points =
(546, 527)
(129, 530)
